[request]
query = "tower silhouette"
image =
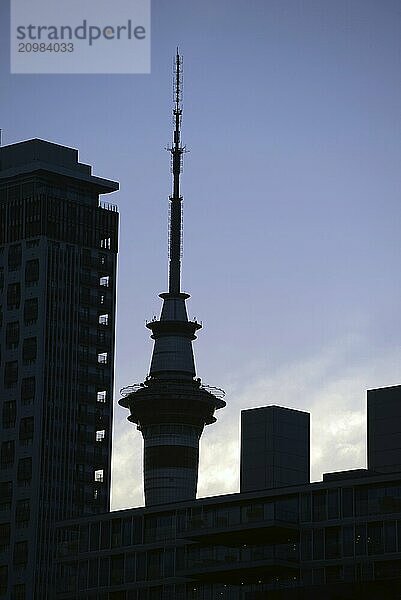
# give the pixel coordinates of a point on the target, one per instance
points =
(171, 407)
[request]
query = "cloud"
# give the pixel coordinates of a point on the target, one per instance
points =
(127, 485)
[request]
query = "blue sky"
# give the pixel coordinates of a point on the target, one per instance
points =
(292, 207)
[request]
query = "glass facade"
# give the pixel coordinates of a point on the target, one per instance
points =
(238, 546)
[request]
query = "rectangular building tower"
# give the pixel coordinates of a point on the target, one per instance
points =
(58, 248)
(275, 448)
(384, 429)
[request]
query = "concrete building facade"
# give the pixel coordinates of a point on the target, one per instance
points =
(58, 247)
(275, 448)
(384, 429)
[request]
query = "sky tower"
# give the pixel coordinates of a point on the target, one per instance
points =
(171, 407)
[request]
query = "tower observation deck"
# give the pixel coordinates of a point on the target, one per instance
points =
(171, 407)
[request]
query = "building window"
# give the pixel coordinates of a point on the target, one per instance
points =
(334, 574)
(14, 257)
(360, 539)
(84, 334)
(319, 506)
(84, 353)
(116, 533)
(7, 454)
(20, 553)
(11, 373)
(80, 496)
(80, 468)
(93, 573)
(13, 295)
(102, 358)
(375, 538)
(333, 504)
(32, 272)
(9, 414)
(22, 513)
(104, 281)
(5, 530)
(28, 390)
(100, 435)
(26, 430)
(94, 536)
(6, 495)
(99, 476)
(306, 544)
(117, 570)
(105, 243)
(24, 472)
(103, 319)
(85, 295)
(30, 310)
(29, 350)
(306, 508)
(361, 501)
(348, 540)
(101, 396)
(86, 257)
(3, 579)
(318, 544)
(390, 536)
(332, 542)
(19, 592)
(84, 313)
(12, 335)
(348, 502)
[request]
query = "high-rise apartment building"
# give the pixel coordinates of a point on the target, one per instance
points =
(58, 247)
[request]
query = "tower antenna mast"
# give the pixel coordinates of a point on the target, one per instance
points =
(176, 150)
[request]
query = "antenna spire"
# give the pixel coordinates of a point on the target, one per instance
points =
(176, 150)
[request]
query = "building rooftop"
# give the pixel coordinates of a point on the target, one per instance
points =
(35, 156)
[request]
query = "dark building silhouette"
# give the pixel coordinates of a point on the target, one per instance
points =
(337, 539)
(384, 429)
(58, 248)
(275, 448)
(172, 407)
